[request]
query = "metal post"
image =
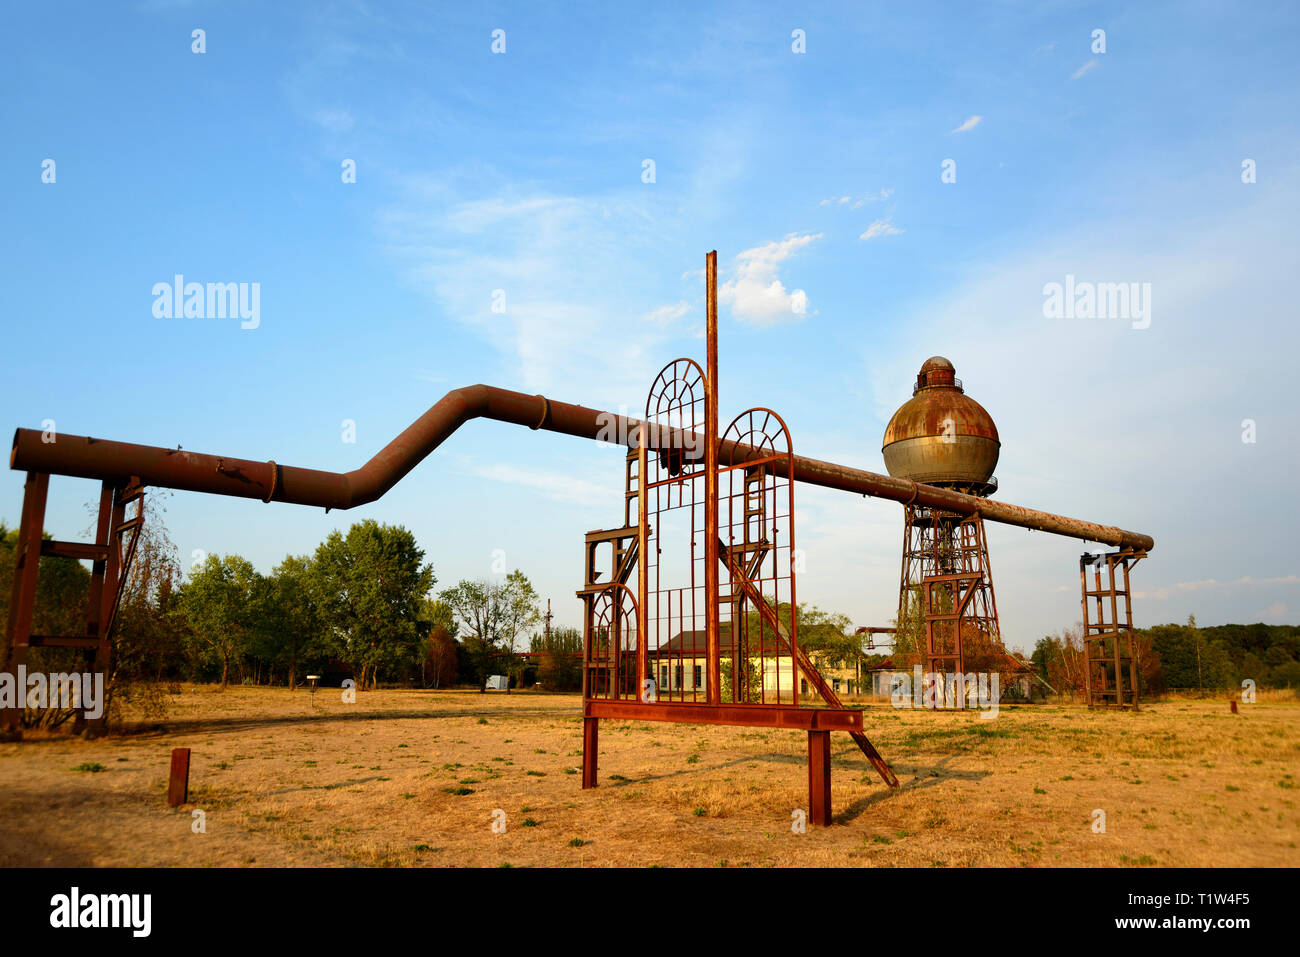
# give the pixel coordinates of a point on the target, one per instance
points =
(590, 751)
(711, 620)
(819, 777)
(1111, 561)
(22, 595)
(98, 659)
(642, 569)
(178, 785)
(1132, 654)
(1087, 648)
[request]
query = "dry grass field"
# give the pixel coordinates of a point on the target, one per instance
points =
(411, 778)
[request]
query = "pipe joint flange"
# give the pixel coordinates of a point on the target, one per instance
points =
(275, 480)
(916, 490)
(546, 413)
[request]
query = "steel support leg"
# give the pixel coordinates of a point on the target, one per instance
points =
(22, 595)
(819, 777)
(590, 751)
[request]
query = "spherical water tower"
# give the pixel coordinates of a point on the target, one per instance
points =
(943, 437)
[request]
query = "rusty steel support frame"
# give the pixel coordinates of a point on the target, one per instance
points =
(946, 571)
(1108, 634)
(110, 555)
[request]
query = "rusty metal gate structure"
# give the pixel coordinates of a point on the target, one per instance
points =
(744, 567)
(714, 530)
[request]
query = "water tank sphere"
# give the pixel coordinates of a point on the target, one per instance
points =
(941, 436)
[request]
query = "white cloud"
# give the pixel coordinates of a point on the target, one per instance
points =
(1182, 588)
(566, 268)
(666, 315)
(970, 124)
(336, 121)
(756, 293)
(559, 487)
(1091, 64)
(852, 203)
(881, 227)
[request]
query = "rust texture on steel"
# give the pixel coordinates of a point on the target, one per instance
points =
(942, 436)
(270, 481)
(947, 583)
(178, 782)
(712, 617)
(1110, 661)
(111, 556)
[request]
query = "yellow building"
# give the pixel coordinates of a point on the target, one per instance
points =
(679, 668)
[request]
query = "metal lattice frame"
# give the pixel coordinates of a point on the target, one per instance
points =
(946, 573)
(1108, 629)
(756, 547)
(110, 555)
(673, 589)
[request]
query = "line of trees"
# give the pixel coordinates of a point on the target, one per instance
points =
(1185, 657)
(362, 605)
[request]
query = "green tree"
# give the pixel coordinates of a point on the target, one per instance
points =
(909, 632)
(1187, 658)
(560, 659)
(1286, 675)
(220, 605)
(441, 657)
(293, 628)
(148, 642)
(369, 586)
(494, 615)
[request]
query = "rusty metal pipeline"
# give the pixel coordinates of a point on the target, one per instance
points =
(85, 457)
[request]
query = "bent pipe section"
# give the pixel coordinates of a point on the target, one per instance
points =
(85, 457)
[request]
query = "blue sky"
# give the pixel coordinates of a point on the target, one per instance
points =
(818, 172)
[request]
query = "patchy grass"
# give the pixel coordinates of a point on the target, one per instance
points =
(285, 784)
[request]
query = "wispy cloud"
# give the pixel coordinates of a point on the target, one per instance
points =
(1090, 65)
(666, 315)
(756, 293)
(518, 270)
(881, 227)
(1183, 588)
(336, 121)
(856, 202)
(970, 124)
(557, 486)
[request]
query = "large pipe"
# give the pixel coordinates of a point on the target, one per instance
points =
(85, 457)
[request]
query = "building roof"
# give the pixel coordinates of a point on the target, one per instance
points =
(694, 643)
